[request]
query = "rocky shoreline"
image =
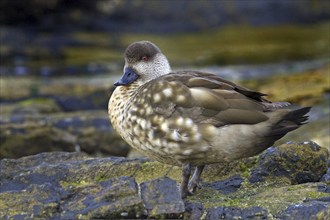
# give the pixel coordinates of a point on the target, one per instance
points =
(290, 181)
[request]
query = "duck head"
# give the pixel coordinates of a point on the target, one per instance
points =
(144, 61)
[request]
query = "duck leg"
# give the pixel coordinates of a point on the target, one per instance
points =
(186, 171)
(195, 180)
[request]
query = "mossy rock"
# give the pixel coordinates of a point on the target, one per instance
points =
(23, 135)
(297, 162)
(306, 88)
(73, 185)
(36, 140)
(42, 92)
(32, 106)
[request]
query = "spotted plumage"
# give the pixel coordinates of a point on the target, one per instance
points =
(192, 118)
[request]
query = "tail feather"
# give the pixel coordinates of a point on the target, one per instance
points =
(290, 121)
(298, 116)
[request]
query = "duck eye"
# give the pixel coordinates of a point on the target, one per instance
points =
(144, 58)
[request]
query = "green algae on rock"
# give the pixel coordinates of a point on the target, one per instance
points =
(162, 198)
(226, 45)
(281, 171)
(24, 135)
(113, 198)
(305, 88)
(298, 162)
(36, 140)
(31, 106)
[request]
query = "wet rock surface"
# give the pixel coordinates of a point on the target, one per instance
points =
(308, 210)
(194, 210)
(236, 213)
(59, 185)
(113, 198)
(162, 198)
(326, 177)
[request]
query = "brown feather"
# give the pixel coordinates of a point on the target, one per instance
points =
(206, 98)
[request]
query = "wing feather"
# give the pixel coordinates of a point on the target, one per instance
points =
(205, 98)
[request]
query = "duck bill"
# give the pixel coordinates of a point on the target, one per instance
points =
(127, 78)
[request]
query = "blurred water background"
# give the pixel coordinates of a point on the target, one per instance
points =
(59, 59)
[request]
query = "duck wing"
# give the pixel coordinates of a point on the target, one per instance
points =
(204, 98)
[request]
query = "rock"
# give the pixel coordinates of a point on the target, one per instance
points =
(32, 141)
(306, 211)
(35, 201)
(63, 185)
(236, 213)
(94, 100)
(227, 186)
(32, 106)
(194, 210)
(110, 199)
(114, 198)
(53, 94)
(299, 163)
(322, 199)
(19, 174)
(324, 188)
(89, 132)
(69, 186)
(10, 167)
(162, 197)
(326, 176)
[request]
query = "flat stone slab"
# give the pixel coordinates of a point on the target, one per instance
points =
(314, 209)
(236, 213)
(161, 196)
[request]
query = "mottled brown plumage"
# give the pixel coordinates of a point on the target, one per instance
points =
(192, 118)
